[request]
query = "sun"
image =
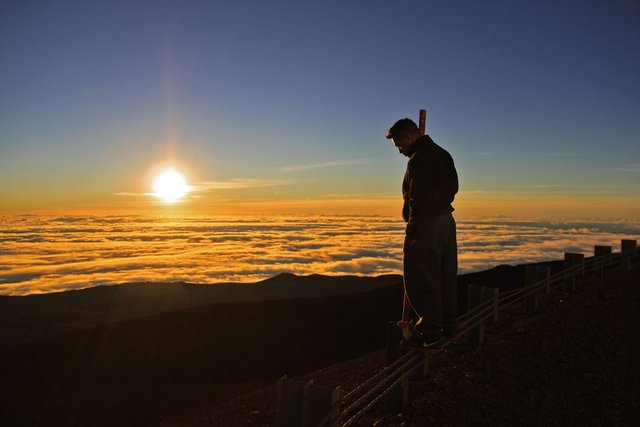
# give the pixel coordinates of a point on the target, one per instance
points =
(170, 186)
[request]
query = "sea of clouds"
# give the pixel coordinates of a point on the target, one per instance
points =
(51, 253)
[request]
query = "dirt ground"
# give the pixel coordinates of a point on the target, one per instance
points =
(575, 362)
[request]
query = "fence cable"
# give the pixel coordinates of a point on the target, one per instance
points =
(405, 365)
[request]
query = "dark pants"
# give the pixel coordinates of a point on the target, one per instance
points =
(430, 275)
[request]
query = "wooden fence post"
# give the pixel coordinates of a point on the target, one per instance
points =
(394, 337)
(602, 255)
(544, 273)
(475, 335)
(629, 249)
(489, 294)
(320, 404)
(303, 403)
(289, 402)
(397, 398)
(531, 301)
(571, 260)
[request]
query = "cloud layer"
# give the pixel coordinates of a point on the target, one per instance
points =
(48, 253)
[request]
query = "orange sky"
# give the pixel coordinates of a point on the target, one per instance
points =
(467, 205)
(284, 108)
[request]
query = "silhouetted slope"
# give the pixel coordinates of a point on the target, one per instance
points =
(572, 363)
(238, 341)
(29, 318)
(84, 356)
(215, 344)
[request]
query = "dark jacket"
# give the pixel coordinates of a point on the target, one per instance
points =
(430, 184)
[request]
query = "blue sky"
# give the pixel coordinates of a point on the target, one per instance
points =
(537, 101)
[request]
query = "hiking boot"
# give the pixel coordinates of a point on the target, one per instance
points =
(420, 342)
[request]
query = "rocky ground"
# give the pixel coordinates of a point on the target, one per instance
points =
(575, 362)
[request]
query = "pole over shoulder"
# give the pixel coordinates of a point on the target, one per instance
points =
(423, 122)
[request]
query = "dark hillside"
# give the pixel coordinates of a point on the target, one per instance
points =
(137, 354)
(29, 318)
(573, 363)
(216, 344)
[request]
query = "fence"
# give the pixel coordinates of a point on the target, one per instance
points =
(390, 385)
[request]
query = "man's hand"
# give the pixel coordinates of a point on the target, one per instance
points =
(410, 234)
(409, 241)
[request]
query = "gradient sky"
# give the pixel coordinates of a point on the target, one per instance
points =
(283, 105)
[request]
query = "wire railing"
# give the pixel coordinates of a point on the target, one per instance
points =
(486, 303)
(368, 394)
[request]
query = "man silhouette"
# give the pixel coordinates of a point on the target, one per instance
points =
(430, 247)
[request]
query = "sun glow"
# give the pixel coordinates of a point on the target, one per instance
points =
(170, 186)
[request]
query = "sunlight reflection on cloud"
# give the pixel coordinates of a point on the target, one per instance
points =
(46, 253)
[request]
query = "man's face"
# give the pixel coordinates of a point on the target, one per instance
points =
(403, 142)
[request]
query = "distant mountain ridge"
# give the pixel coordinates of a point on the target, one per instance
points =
(31, 317)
